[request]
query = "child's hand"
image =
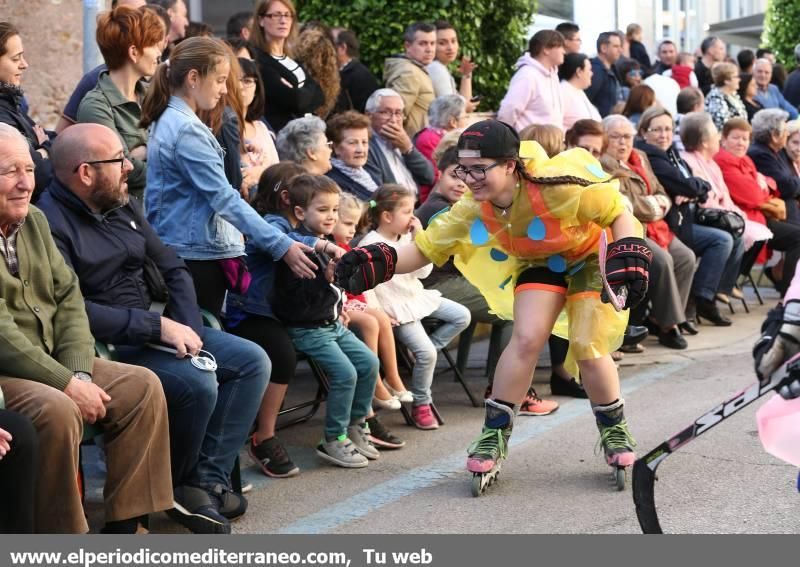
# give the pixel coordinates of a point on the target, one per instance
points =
(336, 252)
(330, 271)
(414, 226)
(344, 318)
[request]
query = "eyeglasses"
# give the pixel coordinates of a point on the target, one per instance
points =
(329, 144)
(662, 130)
(279, 16)
(594, 151)
(618, 137)
(248, 82)
(119, 160)
(478, 173)
(390, 113)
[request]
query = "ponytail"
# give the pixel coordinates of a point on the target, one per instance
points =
(157, 97)
(385, 199)
(201, 54)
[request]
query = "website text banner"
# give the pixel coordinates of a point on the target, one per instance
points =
(397, 551)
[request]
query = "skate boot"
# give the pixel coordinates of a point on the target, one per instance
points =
(490, 448)
(615, 439)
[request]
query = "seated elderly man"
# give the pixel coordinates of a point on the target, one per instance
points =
(392, 157)
(123, 268)
(51, 376)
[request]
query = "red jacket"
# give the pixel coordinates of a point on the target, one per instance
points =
(681, 74)
(741, 177)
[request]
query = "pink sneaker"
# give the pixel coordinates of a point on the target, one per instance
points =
(534, 405)
(423, 417)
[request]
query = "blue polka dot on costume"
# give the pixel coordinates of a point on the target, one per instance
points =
(536, 229)
(576, 268)
(596, 170)
(478, 233)
(557, 264)
(498, 255)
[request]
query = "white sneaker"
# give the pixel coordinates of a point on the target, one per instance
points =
(341, 451)
(359, 435)
(403, 395)
(391, 404)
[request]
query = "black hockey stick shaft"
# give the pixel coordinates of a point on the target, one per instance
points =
(644, 469)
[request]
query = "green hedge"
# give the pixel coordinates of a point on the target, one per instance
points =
(492, 33)
(781, 30)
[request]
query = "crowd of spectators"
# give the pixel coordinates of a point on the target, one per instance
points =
(193, 177)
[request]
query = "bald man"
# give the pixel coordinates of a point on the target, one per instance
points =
(767, 94)
(139, 296)
(51, 376)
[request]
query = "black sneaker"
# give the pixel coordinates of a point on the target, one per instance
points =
(381, 437)
(198, 511)
(232, 505)
(272, 457)
(561, 387)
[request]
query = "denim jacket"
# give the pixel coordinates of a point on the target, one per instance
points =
(258, 299)
(188, 200)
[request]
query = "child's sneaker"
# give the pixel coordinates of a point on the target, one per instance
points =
(341, 451)
(423, 417)
(272, 457)
(381, 437)
(534, 405)
(359, 435)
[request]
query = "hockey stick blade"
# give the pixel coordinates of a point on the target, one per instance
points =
(644, 469)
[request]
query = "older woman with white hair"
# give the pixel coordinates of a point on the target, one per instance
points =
(445, 114)
(791, 150)
(701, 143)
(672, 268)
(770, 134)
(303, 141)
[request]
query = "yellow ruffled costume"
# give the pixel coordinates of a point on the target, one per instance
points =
(556, 223)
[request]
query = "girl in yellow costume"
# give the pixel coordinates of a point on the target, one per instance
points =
(527, 236)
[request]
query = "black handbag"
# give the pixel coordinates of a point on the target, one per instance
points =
(729, 221)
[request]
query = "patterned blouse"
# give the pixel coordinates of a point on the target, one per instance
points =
(722, 107)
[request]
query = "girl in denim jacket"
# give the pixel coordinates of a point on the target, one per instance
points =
(188, 199)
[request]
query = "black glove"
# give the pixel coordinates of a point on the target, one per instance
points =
(365, 267)
(779, 342)
(628, 266)
(705, 189)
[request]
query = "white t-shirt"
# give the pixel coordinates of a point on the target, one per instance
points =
(443, 81)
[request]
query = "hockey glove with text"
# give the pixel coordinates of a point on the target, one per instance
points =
(628, 266)
(780, 341)
(365, 267)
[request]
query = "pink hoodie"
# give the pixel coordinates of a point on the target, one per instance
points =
(533, 97)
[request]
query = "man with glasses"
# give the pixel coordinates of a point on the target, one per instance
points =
(139, 296)
(407, 74)
(392, 156)
(51, 376)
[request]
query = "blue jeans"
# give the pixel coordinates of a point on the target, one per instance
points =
(720, 257)
(455, 318)
(352, 371)
(210, 414)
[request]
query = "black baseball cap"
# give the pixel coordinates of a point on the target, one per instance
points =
(489, 139)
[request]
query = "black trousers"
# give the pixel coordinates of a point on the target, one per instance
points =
(271, 335)
(209, 284)
(18, 474)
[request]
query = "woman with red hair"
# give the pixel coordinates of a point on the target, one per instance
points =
(130, 41)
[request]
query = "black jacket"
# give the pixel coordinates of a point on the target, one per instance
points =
(676, 177)
(107, 253)
(358, 83)
(434, 205)
(639, 53)
(777, 166)
(285, 103)
(704, 79)
(11, 113)
(308, 303)
(791, 90)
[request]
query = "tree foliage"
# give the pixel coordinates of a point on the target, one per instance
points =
(781, 30)
(493, 33)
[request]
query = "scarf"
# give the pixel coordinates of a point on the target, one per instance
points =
(657, 231)
(357, 174)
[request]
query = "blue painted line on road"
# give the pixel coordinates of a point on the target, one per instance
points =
(525, 430)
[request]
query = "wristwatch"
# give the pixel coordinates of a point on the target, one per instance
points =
(83, 376)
